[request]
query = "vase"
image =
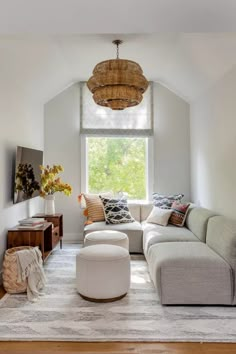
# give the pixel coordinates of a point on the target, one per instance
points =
(49, 205)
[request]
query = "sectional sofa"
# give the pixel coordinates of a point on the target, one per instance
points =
(194, 264)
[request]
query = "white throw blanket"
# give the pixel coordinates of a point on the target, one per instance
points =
(30, 268)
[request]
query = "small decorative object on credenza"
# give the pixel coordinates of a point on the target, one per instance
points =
(31, 223)
(50, 184)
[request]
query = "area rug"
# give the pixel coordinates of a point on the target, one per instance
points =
(62, 315)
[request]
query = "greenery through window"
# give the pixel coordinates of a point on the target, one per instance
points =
(117, 164)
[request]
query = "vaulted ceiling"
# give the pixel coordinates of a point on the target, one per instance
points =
(47, 45)
(111, 16)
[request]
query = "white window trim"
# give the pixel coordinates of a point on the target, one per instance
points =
(149, 166)
(84, 164)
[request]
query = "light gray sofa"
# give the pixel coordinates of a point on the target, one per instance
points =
(133, 230)
(194, 264)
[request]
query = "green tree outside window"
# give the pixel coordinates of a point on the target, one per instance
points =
(117, 164)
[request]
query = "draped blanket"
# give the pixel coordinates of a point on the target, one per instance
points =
(30, 268)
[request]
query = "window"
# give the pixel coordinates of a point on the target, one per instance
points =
(116, 147)
(117, 164)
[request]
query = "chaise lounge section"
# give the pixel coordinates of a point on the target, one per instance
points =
(194, 264)
(197, 272)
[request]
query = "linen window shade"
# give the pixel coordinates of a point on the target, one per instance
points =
(102, 121)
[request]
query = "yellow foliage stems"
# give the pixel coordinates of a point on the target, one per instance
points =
(50, 183)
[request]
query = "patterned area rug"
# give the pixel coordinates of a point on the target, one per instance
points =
(61, 314)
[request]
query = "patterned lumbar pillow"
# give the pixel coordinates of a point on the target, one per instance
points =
(116, 211)
(94, 207)
(159, 216)
(165, 201)
(179, 213)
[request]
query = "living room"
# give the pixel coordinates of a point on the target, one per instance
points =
(47, 55)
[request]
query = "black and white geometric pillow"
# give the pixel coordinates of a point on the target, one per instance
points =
(116, 211)
(165, 201)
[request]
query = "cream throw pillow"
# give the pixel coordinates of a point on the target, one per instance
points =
(159, 216)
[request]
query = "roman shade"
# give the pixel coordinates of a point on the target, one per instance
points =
(102, 121)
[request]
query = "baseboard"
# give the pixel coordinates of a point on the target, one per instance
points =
(73, 238)
(69, 242)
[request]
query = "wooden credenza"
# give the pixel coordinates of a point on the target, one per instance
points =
(41, 237)
(57, 228)
(46, 237)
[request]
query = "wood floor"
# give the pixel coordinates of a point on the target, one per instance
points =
(2, 291)
(114, 348)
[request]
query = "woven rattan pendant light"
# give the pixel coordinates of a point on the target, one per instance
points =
(117, 83)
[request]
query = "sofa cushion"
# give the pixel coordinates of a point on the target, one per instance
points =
(153, 234)
(132, 230)
(221, 237)
(134, 209)
(145, 210)
(197, 220)
(190, 273)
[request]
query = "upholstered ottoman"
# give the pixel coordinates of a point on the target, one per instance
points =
(103, 272)
(109, 237)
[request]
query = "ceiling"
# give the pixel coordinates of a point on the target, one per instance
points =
(49, 44)
(187, 64)
(110, 16)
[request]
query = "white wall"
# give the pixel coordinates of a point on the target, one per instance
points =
(62, 146)
(171, 143)
(171, 149)
(29, 76)
(21, 124)
(213, 147)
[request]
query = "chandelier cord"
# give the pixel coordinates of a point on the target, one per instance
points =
(117, 42)
(117, 50)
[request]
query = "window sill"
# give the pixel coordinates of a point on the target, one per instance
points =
(138, 201)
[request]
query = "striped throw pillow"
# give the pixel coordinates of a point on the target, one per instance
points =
(94, 206)
(179, 213)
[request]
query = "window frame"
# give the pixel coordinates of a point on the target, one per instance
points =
(149, 164)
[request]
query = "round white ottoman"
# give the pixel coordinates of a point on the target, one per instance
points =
(103, 272)
(109, 237)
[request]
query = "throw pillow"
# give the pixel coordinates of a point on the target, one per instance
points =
(165, 201)
(179, 213)
(116, 211)
(159, 216)
(94, 207)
